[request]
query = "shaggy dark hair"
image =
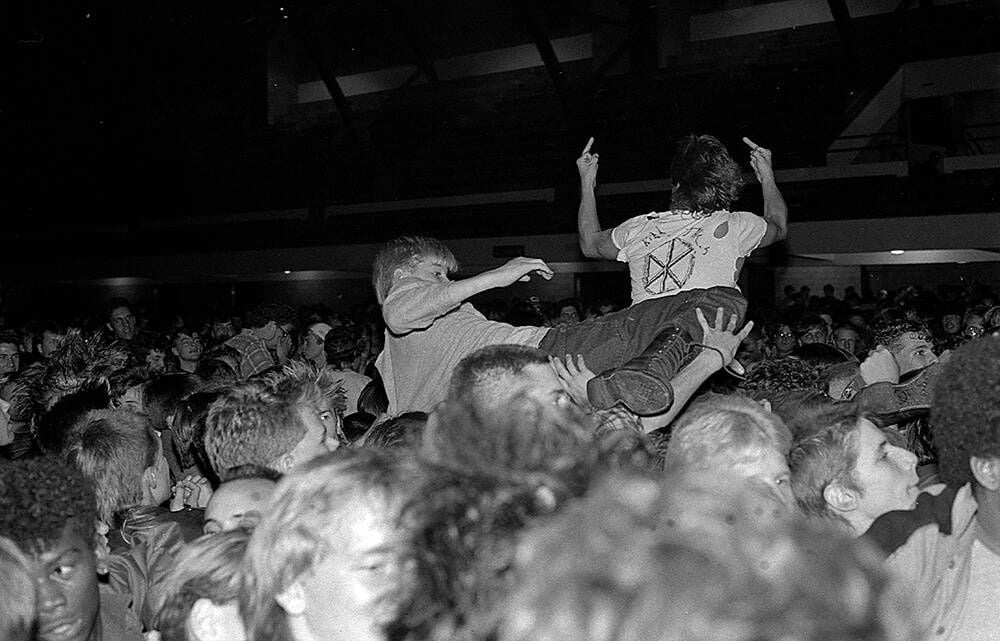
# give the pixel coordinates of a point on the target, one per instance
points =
(404, 430)
(264, 313)
(965, 415)
(39, 496)
(705, 176)
(781, 375)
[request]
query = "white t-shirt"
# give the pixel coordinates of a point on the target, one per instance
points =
(980, 619)
(675, 251)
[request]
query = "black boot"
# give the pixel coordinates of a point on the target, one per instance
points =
(643, 383)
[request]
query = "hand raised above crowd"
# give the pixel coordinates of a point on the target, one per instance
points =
(760, 161)
(586, 164)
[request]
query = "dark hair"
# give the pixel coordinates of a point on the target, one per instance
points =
(115, 303)
(54, 425)
(189, 431)
(705, 176)
(356, 424)
(344, 343)
(965, 420)
(480, 378)
(264, 313)
(39, 496)
(162, 396)
(888, 333)
(373, 398)
(404, 430)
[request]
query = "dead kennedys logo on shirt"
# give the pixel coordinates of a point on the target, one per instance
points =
(668, 267)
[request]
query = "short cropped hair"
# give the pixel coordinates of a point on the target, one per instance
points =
(965, 414)
(210, 567)
(889, 333)
(40, 496)
(404, 430)
(405, 252)
(312, 512)
(113, 448)
(827, 455)
(250, 424)
(719, 431)
(705, 176)
(637, 560)
(481, 378)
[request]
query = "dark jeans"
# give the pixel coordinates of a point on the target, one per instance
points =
(610, 341)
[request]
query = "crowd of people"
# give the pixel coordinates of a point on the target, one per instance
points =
(430, 470)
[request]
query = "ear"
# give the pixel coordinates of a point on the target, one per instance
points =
(399, 272)
(173, 350)
(150, 478)
(986, 471)
(284, 463)
(292, 599)
(206, 622)
(840, 498)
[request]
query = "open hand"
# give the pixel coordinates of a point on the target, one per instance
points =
(521, 269)
(725, 339)
(880, 366)
(586, 164)
(760, 160)
(574, 377)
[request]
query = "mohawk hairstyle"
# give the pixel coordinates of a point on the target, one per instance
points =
(39, 496)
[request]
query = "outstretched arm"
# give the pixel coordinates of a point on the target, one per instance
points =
(594, 243)
(775, 209)
(515, 270)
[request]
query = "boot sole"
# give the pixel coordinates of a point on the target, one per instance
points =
(639, 392)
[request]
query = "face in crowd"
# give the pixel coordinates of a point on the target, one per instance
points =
(122, 323)
(10, 359)
(65, 577)
(912, 352)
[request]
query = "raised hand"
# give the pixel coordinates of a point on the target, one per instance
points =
(760, 160)
(574, 377)
(725, 339)
(520, 269)
(880, 366)
(586, 164)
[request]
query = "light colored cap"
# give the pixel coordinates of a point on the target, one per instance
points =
(320, 329)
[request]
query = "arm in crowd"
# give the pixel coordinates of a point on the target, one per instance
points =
(594, 243)
(775, 209)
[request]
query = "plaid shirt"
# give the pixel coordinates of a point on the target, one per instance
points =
(254, 357)
(616, 418)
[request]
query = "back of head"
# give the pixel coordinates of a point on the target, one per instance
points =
(162, 396)
(404, 430)
(316, 511)
(210, 567)
(824, 455)
(343, 344)
(403, 253)
(278, 313)
(705, 176)
(113, 448)
(782, 375)
(677, 562)
(485, 379)
(250, 424)
(965, 414)
(720, 431)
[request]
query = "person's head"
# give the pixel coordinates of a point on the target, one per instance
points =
(783, 338)
(17, 607)
(910, 343)
(10, 353)
(273, 323)
(404, 430)
(569, 311)
(357, 424)
(634, 560)
(186, 346)
(317, 400)
(311, 346)
(322, 563)
(732, 434)
(123, 457)
(373, 399)
(972, 322)
(417, 256)
(491, 376)
(162, 396)
(965, 419)
(345, 346)
(52, 338)
(47, 510)
(202, 589)
(705, 177)
(188, 429)
(847, 470)
(951, 323)
(121, 321)
(237, 503)
(847, 338)
(812, 329)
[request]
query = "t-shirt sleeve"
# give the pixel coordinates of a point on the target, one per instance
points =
(415, 304)
(624, 234)
(750, 229)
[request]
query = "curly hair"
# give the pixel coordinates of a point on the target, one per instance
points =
(965, 414)
(39, 496)
(405, 252)
(889, 333)
(705, 176)
(782, 375)
(210, 567)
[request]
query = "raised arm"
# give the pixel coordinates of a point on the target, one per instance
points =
(594, 243)
(775, 209)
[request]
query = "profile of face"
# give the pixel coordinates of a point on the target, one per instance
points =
(311, 346)
(912, 352)
(51, 341)
(361, 569)
(158, 479)
(279, 340)
(846, 338)
(188, 347)
(122, 323)
(539, 383)
(10, 359)
(768, 469)
(65, 577)
(430, 270)
(322, 425)
(886, 474)
(238, 503)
